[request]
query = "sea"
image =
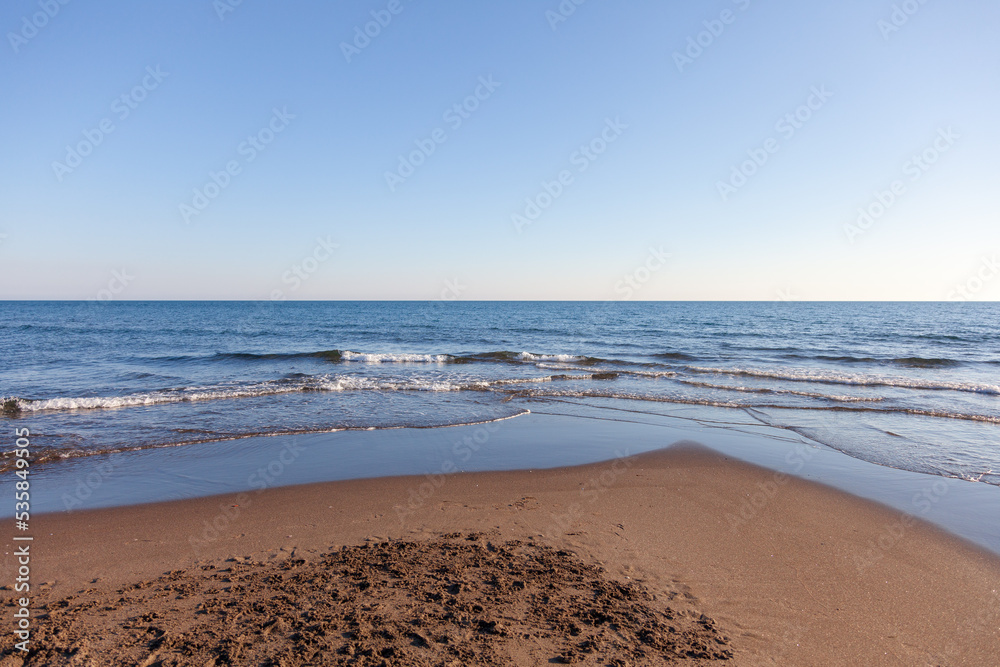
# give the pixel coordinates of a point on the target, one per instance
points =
(914, 386)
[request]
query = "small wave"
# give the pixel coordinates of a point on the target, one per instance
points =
(786, 392)
(856, 380)
(506, 356)
(569, 393)
(618, 370)
(634, 396)
(841, 359)
(906, 362)
(501, 355)
(920, 362)
(485, 384)
(326, 355)
(390, 358)
(564, 358)
(674, 356)
(15, 405)
(944, 337)
(329, 355)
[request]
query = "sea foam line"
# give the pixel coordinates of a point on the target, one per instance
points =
(536, 393)
(849, 379)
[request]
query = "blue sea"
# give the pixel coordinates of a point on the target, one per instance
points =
(914, 386)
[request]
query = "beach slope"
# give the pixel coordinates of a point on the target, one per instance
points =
(680, 554)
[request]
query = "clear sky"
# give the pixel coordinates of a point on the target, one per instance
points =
(602, 150)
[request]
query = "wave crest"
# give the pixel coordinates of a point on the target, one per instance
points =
(820, 377)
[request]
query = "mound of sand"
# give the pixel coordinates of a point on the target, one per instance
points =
(455, 600)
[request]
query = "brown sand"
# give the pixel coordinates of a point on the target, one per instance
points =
(678, 555)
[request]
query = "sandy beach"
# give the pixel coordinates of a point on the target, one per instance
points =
(679, 554)
(500, 333)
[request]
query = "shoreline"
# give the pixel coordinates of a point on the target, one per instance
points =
(794, 581)
(969, 510)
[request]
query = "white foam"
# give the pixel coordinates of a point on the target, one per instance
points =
(730, 404)
(528, 356)
(500, 383)
(857, 379)
(191, 394)
(790, 392)
(353, 383)
(387, 358)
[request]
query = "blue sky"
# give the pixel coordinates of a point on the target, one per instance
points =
(654, 135)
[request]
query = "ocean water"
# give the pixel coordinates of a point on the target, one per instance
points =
(914, 386)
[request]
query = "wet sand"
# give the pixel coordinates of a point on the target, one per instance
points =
(679, 554)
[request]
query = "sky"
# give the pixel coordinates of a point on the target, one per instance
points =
(583, 149)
